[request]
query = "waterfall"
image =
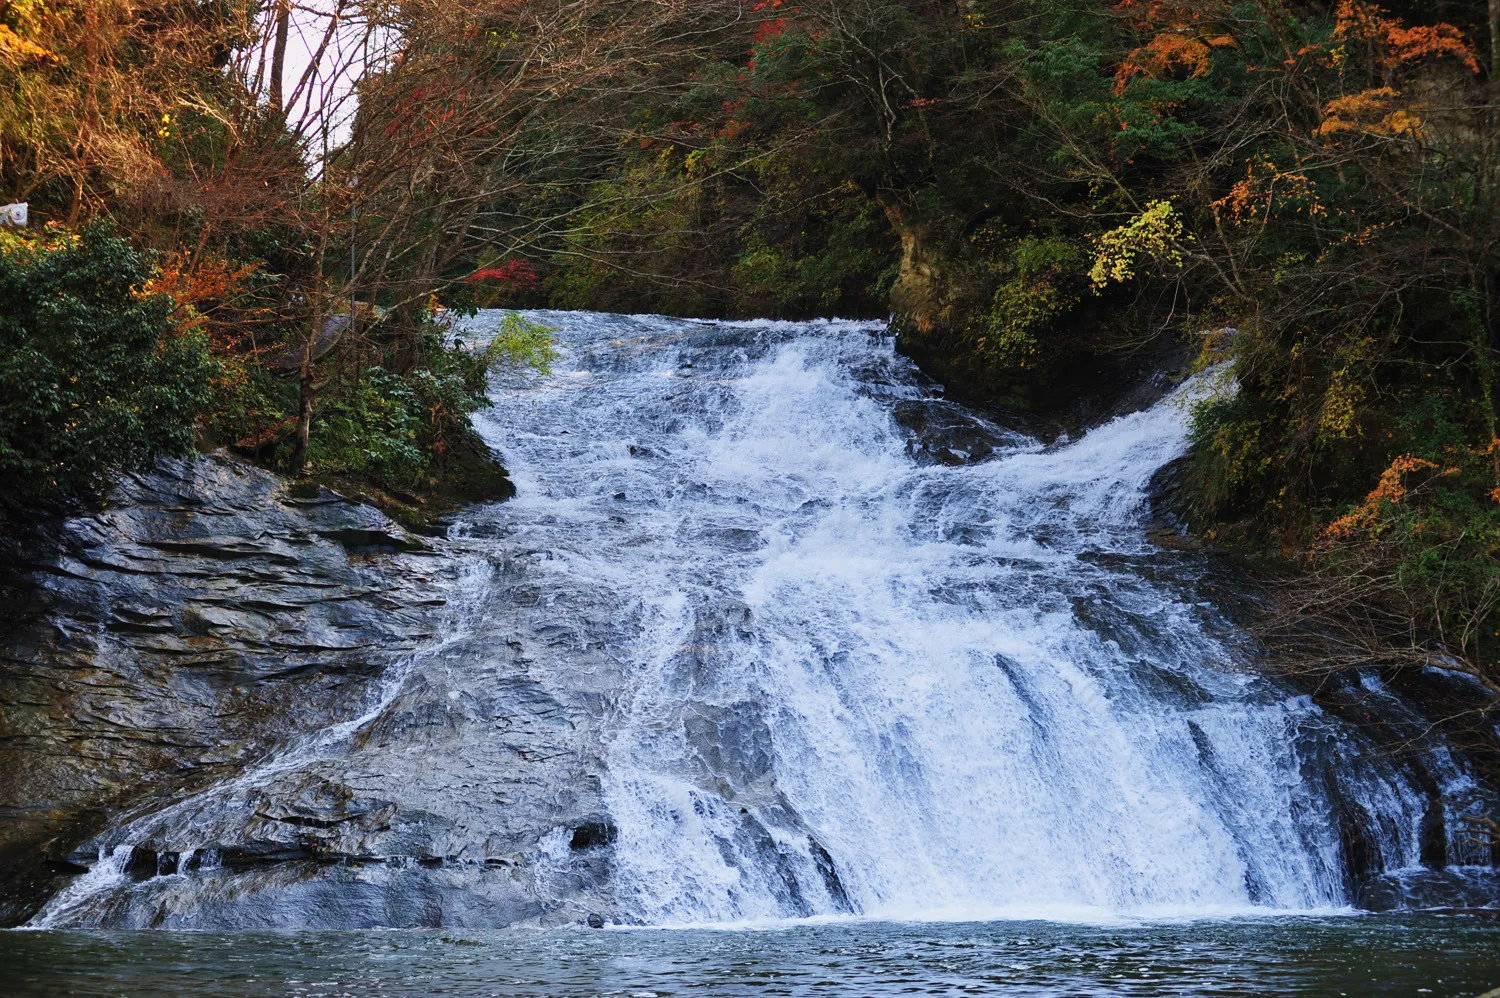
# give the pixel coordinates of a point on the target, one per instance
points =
(860, 681)
(774, 630)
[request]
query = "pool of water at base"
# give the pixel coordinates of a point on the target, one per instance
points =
(1445, 956)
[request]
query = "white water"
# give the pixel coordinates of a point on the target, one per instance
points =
(977, 688)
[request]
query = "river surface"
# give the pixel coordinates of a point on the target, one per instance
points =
(1411, 955)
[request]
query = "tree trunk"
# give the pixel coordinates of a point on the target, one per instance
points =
(305, 391)
(1494, 39)
(278, 52)
(304, 422)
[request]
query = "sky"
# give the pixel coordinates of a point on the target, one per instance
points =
(330, 94)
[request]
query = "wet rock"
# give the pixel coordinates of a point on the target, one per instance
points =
(1398, 890)
(941, 433)
(201, 620)
(593, 834)
(335, 725)
(1167, 526)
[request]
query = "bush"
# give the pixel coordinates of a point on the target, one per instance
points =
(370, 429)
(396, 432)
(1424, 549)
(96, 377)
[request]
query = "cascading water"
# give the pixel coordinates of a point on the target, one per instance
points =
(860, 682)
(773, 630)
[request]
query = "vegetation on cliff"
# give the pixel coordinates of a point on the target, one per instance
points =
(95, 374)
(1308, 189)
(236, 318)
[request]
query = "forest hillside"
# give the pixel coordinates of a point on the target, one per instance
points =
(1039, 192)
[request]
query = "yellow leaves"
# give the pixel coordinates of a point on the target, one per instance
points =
(15, 49)
(1371, 112)
(1154, 234)
(1217, 346)
(1341, 403)
(697, 163)
(20, 28)
(27, 244)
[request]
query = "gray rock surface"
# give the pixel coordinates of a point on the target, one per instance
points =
(251, 696)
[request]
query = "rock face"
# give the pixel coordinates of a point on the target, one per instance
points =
(210, 669)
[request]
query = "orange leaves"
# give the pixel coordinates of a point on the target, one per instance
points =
(1168, 54)
(1427, 41)
(197, 285)
(1370, 112)
(1364, 103)
(1391, 489)
(1395, 49)
(1399, 46)
(767, 30)
(733, 129)
(1269, 190)
(1490, 452)
(1150, 14)
(1185, 37)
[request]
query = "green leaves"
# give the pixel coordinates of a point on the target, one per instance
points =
(95, 376)
(521, 342)
(371, 427)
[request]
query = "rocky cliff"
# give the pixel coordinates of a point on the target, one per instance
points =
(205, 668)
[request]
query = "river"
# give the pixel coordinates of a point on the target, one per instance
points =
(1410, 955)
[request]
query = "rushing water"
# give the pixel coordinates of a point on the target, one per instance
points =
(1409, 956)
(811, 641)
(886, 657)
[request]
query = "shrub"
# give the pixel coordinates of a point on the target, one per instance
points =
(95, 375)
(398, 432)
(1423, 548)
(370, 428)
